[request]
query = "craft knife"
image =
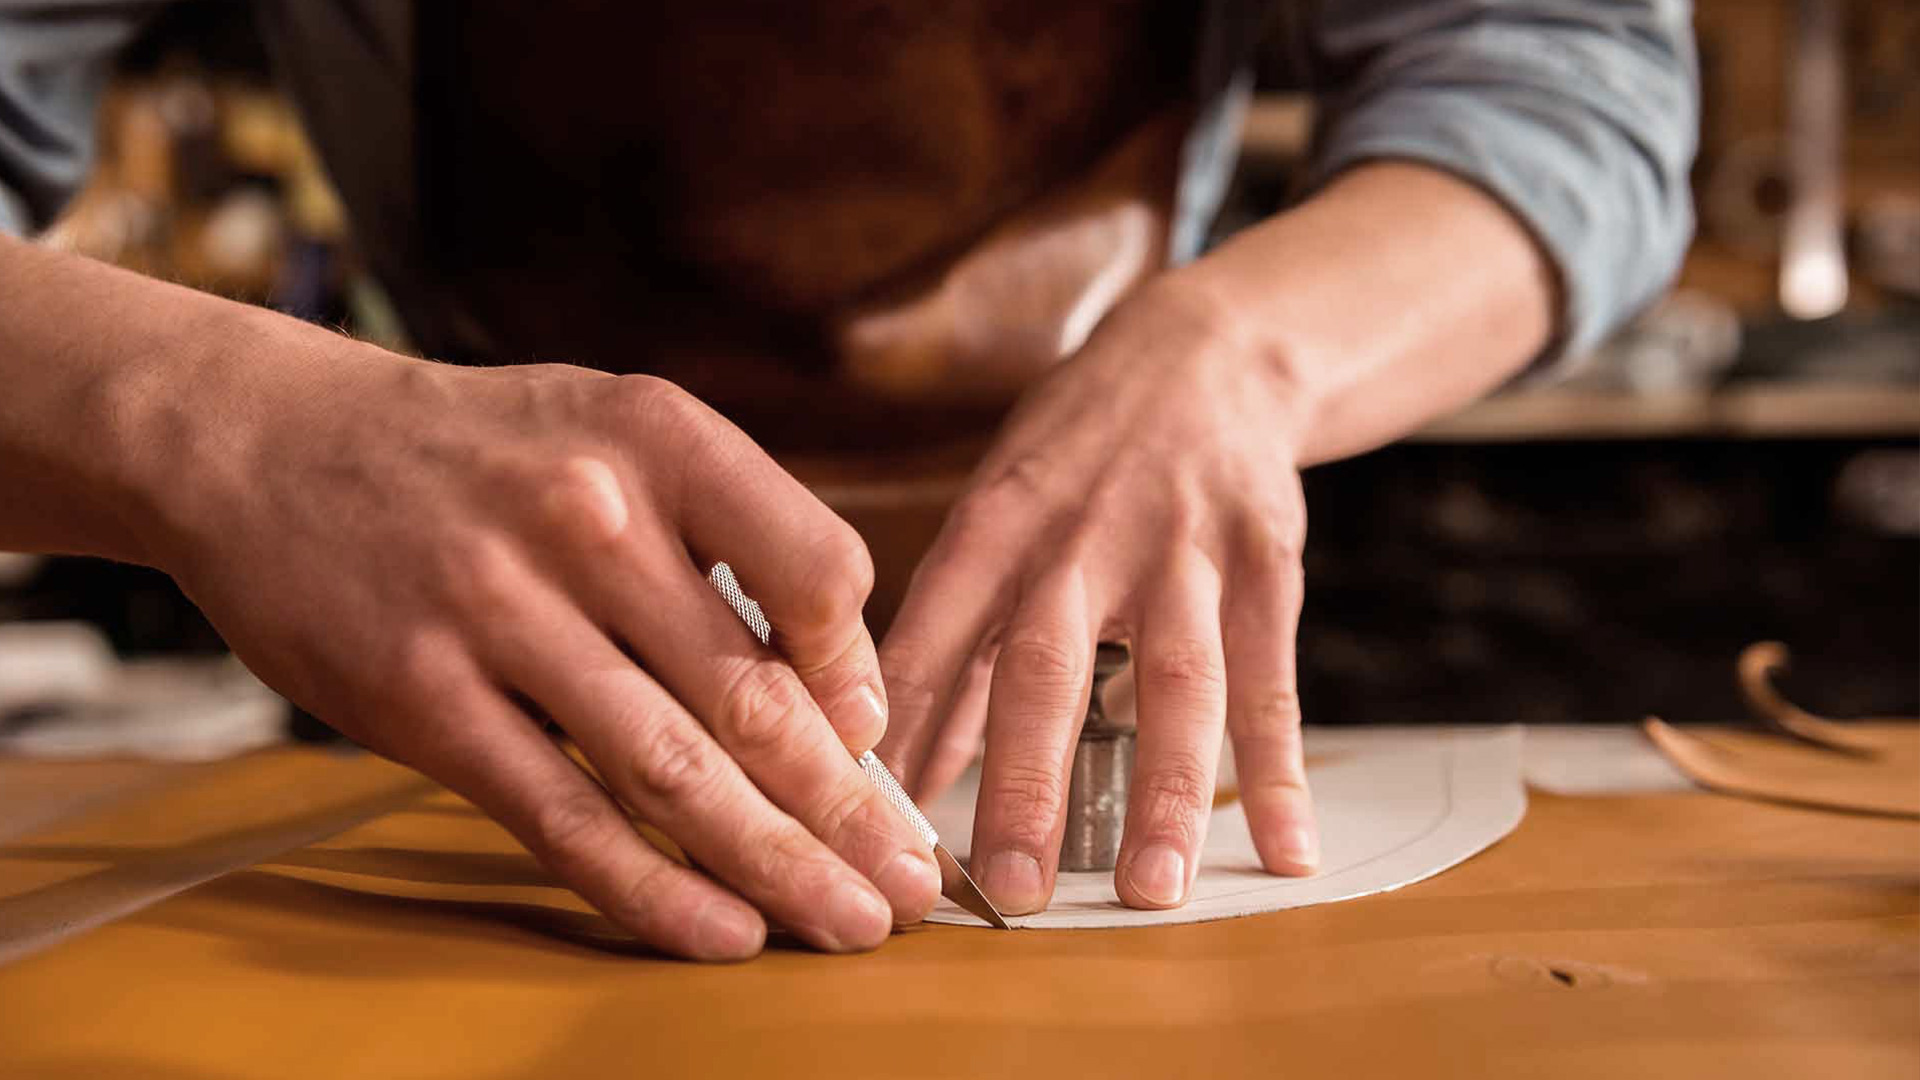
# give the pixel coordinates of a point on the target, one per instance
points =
(955, 884)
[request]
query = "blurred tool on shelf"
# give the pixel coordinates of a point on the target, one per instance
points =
(1806, 266)
(205, 176)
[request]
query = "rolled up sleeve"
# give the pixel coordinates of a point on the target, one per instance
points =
(54, 59)
(1579, 115)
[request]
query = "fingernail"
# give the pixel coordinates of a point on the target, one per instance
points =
(871, 711)
(857, 918)
(724, 932)
(1299, 846)
(875, 704)
(912, 884)
(1159, 875)
(1012, 880)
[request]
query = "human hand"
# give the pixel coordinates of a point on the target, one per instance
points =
(1146, 490)
(436, 559)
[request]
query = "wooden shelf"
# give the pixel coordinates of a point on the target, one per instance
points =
(1753, 412)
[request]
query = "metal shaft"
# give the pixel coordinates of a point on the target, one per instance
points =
(1102, 773)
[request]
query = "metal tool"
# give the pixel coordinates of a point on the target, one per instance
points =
(1813, 259)
(1102, 773)
(955, 884)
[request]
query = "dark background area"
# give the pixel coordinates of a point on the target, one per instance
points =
(1545, 582)
(1537, 575)
(1579, 582)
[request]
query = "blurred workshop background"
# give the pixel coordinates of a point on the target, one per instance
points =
(1742, 463)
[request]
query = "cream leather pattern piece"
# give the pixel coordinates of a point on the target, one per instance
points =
(1396, 805)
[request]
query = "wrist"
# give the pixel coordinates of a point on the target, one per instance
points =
(150, 421)
(1359, 301)
(1220, 325)
(191, 428)
(127, 400)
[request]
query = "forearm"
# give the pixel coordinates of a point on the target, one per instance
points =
(119, 390)
(1394, 296)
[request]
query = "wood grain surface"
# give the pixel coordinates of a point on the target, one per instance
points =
(1681, 934)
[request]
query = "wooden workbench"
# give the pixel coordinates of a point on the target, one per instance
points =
(304, 913)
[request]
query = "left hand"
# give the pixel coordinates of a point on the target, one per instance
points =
(1146, 490)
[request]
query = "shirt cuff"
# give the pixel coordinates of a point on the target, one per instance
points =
(1610, 233)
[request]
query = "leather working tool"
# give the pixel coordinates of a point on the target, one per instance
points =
(955, 884)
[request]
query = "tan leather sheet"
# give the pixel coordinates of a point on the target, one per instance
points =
(1678, 934)
(1875, 770)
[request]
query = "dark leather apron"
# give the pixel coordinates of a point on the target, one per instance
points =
(814, 214)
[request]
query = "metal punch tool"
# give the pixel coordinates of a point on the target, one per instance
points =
(955, 884)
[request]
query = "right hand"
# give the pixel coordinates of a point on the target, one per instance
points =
(436, 559)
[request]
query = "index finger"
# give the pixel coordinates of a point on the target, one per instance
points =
(805, 566)
(1037, 702)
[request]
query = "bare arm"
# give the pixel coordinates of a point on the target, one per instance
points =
(437, 559)
(1394, 297)
(92, 357)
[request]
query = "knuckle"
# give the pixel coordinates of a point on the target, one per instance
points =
(639, 900)
(586, 500)
(651, 406)
(426, 662)
(1115, 494)
(1036, 661)
(1030, 794)
(974, 515)
(1030, 836)
(1186, 667)
(907, 668)
(986, 513)
(1270, 756)
(433, 683)
(761, 710)
(1173, 795)
(1270, 537)
(1190, 518)
(481, 567)
(646, 396)
(1281, 785)
(844, 816)
(1273, 538)
(673, 763)
(569, 829)
(1024, 478)
(783, 859)
(1274, 717)
(838, 574)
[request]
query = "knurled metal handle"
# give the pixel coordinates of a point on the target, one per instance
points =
(897, 795)
(722, 579)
